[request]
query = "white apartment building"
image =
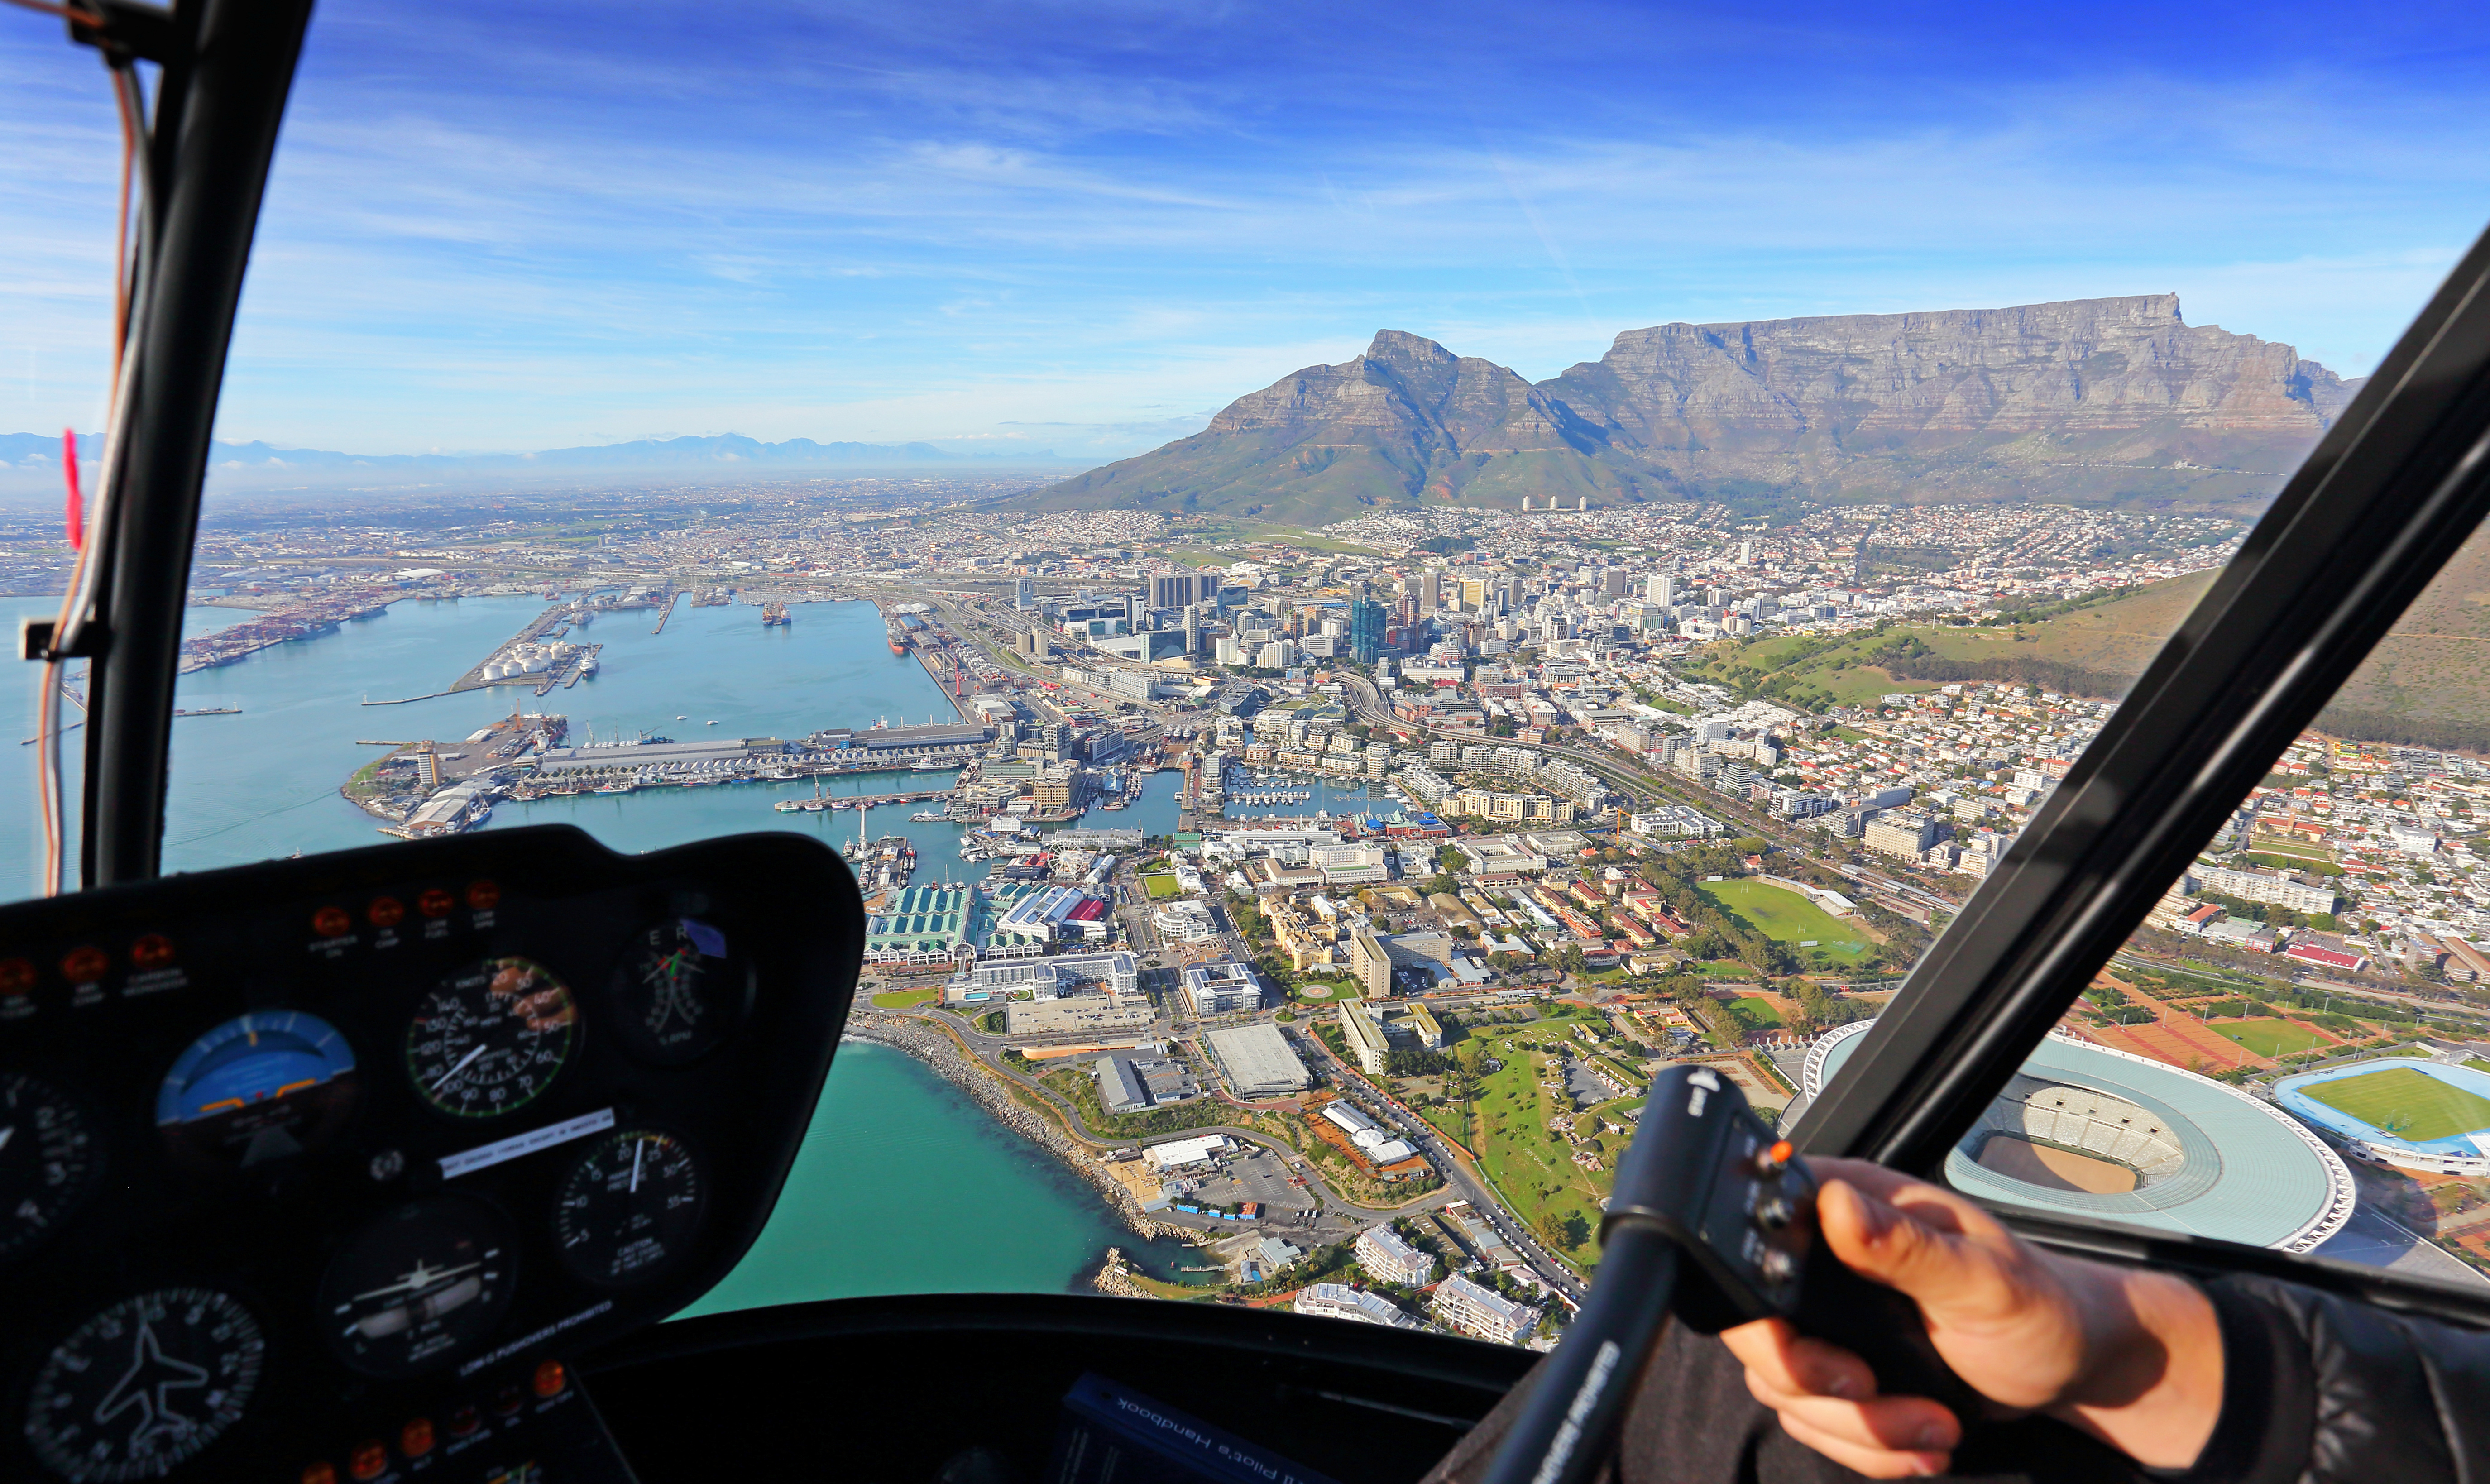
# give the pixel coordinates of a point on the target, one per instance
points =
(1474, 1309)
(1388, 1258)
(1337, 1300)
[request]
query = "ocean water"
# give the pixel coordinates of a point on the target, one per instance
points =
(903, 1180)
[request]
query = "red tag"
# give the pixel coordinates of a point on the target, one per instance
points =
(77, 506)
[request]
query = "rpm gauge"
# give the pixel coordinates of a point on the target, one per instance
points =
(491, 1038)
(418, 1287)
(50, 1160)
(676, 991)
(144, 1385)
(629, 1207)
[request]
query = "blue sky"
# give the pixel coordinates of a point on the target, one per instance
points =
(1085, 226)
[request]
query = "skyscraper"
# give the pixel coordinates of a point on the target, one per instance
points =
(1180, 590)
(1664, 589)
(1613, 583)
(1193, 628)
(1023, 594)
(1430, 591)
(1366, 621)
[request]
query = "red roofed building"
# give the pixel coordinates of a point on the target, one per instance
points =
(2311, 953)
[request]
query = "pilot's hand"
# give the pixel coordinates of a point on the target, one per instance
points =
(2133, 1357)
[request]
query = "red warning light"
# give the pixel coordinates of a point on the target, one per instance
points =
(435, 903)
(85, 966)
(152, 951)
(385, 911)
(17, 976)
(332, 922)
(484, 897)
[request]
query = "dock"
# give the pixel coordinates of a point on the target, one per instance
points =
(666, 612)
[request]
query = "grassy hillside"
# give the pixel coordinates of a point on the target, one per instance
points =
(2095, 650)
(2428, 682)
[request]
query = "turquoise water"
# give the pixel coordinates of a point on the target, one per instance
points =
(904, 1184)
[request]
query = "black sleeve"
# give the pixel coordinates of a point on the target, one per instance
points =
(2321, 1387)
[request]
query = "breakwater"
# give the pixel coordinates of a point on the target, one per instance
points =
(913, 1036)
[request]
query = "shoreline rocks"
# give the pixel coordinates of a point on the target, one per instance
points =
(943, 1055)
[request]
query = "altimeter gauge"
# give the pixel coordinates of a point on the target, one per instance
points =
(630, 1208)
(416, 1288)
(491, 1038)
(675, 993)
(50, 1160)
(145, 1386)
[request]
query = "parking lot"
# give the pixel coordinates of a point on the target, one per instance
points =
(1259, 1177)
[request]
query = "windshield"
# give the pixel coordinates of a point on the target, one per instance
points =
(1305, 777)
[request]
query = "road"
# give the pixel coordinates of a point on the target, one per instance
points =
(1458, 1175)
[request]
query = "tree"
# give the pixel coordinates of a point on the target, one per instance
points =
(1554, 1229)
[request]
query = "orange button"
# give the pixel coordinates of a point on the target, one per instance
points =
(551, 1378)
(332, 922)
(369, 1461)
(415, 1440)
(85, 966)
(435, 903)
(152, 951)
(484, 895)
(385, 911)
(320, 1472)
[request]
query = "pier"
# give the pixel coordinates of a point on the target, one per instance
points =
(666, 612)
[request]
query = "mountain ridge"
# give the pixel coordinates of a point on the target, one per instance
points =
(2097, 401)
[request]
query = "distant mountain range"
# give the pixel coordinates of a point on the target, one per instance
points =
(2113, 401)
(245, 464)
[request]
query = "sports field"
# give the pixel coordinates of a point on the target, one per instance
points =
(1781, 913)
(2405, 1102)
(1160, 887)
(2270, 1038)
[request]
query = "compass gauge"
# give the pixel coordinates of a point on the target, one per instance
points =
(676, 991)
(416, 1288)
(51, 1162)
(491, 1038)
(144, 1385)
(629, 1207)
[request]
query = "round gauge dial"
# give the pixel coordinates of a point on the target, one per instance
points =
(629, 1207)
(418, 1287)
(257, 1088)
(143, 1386)
(50, 1160)
(490, 1038)
(676, 991)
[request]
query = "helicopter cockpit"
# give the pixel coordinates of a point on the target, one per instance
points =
(485, 1155)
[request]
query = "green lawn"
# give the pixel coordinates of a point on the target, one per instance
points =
(1160, 887)
(2271, 1037)
(2407, 1102)
(1529, 1166)
(1760, 1011)
(902, 998)
(1781, 913)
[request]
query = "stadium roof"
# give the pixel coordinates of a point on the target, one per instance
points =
(2251, 1173)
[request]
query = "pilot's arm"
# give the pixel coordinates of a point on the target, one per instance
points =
(2236, 1379)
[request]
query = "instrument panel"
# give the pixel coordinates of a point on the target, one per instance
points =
(319, 1170)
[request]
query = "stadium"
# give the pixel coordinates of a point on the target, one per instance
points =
(2399, 1110)
(2089, 1132)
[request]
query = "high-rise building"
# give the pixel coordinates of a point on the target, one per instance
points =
(1023, 594)
(1193, 628)
(1182, 590)
(1663, 589)
(1613, 583)
(1366, 622)
(1430, 591)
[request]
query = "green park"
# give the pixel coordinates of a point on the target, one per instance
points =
(1785, 916)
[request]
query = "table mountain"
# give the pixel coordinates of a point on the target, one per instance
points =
(2089, 400)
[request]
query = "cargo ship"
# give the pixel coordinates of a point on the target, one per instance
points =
(774, 616)
(898, 643)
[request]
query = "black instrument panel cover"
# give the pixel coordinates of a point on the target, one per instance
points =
(189, 953)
